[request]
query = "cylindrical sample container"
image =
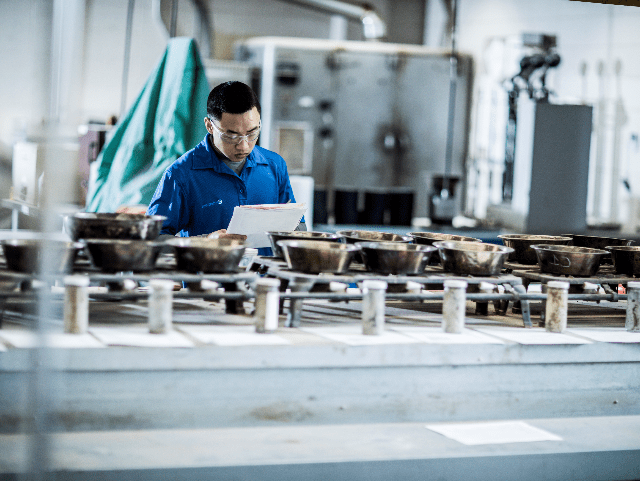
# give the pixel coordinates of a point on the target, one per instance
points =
(373, 294)
(267, 305)
(454, 306)
(160, 305)
(76, 304)
(557, 305)
(632, 322)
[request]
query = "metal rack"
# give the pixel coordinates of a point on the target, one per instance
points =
(302, 286)
(297, 287)
(236, 286)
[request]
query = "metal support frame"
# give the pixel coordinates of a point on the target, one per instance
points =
(239, 287)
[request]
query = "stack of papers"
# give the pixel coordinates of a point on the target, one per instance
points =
(255, 221)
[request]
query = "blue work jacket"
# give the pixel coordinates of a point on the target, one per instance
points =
(198, 192)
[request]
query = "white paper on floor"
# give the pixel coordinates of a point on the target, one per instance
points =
(28, 340)
(435, 335)
(523, 335)
(607, 334)
(232, 335)
(493, 432)
(139, 337)
(352, 335)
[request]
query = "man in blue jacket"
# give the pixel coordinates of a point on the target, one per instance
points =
(199, 191)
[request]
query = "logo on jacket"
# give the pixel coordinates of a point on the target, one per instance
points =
(217, 202)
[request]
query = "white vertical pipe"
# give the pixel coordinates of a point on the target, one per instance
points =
(267, 93)
(76, 304)
(160, 305)
(632, 321)
(557, 305)
(338, 27)
(454, 306)
(267, 305)
(373, 298)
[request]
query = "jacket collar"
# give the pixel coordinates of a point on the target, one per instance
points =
(206, 157)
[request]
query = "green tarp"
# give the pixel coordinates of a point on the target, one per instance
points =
(165, 121)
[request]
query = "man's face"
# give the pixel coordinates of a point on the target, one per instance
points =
(234, 125)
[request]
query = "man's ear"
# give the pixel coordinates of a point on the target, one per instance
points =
(207, 125)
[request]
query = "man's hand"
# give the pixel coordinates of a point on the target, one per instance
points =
(222, 234)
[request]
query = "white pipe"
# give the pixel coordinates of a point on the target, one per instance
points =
(373, 26)
(373, 294)
(267, 305)
(76, 304)
(632, 322)
(203, 33)
(454, 305)
(160, 305)
(557, 304)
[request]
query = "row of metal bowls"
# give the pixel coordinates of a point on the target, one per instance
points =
(388, 253)
(126, 242)
(112, 237)
(353, 236)
(380, 252)
(314, 257)
(574, 255)
(391, 257)
(193, 255)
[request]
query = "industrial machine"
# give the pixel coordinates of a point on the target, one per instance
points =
(367, 120)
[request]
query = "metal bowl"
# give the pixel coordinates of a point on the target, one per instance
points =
(199, 254)
(472, 258)
(569, 260)
(428, 238)
(626, 259)
(394, 257)
(90, 225)
(314, 257)
(118, 255)
(25, 255)
(521, 243)
(274, 237)
(353, 236)
(595, 242)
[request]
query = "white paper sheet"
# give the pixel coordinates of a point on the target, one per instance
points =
(139, 337)
(256, 220)
(533, 336)
(352, 335)
(608, 334)
(435, 335)
(232, 336)
(28, 340)
(493, 432)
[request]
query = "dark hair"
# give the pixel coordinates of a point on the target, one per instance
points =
(232, 97)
